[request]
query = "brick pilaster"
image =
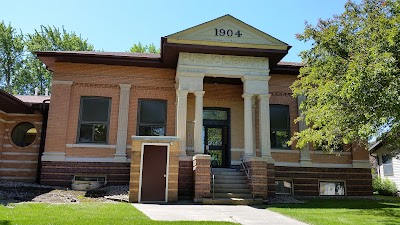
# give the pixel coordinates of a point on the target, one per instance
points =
(202, 171)
(259, 182)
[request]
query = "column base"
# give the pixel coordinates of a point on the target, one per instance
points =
(305, 163)
(120, 158)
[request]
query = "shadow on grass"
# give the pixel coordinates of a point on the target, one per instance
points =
(19, 194)
(340, 204)
(5, 222)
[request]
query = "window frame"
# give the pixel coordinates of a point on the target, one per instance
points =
(11, 134)
(288, 124)
(387, 166)
(139, 124)
(291, 189)
(332, 181)
(80, 122)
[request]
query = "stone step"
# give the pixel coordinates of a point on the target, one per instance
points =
(224, 169)
(231, 201)
(232, 195)
(232, 190)
(222, 173)
(229, 181)
(231, 186)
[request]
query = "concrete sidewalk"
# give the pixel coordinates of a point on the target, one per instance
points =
(238, 214)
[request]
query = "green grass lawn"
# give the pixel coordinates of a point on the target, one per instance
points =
(346, 211)
(84, 213)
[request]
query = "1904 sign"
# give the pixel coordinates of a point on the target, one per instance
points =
(229, 33)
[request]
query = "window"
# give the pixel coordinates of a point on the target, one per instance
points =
(152, 117)
(387, 165)
(283, 187)
(24, 134)
(331, 188)
(280, 126)
(94, 120)
(215, 114)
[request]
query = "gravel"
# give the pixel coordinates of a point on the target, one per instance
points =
(14, 192)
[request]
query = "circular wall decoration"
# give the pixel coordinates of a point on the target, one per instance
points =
(24, 134)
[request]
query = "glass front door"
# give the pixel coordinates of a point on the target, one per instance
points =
(215, 144)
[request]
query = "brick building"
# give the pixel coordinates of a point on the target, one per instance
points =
(216, 96)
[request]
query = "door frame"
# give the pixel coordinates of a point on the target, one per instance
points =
(222, 123)
(141, 169)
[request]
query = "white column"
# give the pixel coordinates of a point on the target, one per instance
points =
(122, 133)
(264, 125)
(181, 110)
(305, 159)
(198, 126)
(253, 111)
(248, 126)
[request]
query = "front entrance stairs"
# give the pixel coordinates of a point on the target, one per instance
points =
(230, 188)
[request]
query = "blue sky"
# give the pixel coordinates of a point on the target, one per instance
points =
(117, 25)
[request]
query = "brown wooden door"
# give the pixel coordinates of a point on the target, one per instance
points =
(154, 173)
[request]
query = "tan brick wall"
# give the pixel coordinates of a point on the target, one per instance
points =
(286, 157)
(104, 80)
(18, 163)
(172, 171)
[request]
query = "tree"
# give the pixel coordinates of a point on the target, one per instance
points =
(144, 48)
(34, 73)
(351, 76)
(11, 54)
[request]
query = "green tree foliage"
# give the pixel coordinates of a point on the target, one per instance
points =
(11, 55)
(34, 73)
(144, 48)
(351, 75)
(384, 186)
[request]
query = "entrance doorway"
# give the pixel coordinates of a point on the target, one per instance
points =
(216, 133)
(154, 173)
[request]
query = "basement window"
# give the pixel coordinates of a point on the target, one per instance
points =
(283, 187)
(331, 188)
(24, 134)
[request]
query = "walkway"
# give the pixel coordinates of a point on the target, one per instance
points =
(245, 215)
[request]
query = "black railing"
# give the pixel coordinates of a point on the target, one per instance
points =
(248, 174)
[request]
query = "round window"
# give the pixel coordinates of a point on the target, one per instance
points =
(24, 134)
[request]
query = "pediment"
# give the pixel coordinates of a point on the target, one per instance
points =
(227, 31)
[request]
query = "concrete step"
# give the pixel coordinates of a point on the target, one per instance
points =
(223, 173)
(229, 181)
(232, 190)
(224, 169)
(231, 201)
(232, 195)
(231, 186)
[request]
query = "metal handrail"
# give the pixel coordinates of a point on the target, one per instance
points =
(247, 171)
(213, 184)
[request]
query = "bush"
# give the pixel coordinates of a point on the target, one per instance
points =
(384, 186)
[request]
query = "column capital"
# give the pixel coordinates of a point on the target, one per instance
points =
(199, 93)
(264, 96)
(247, 95)
(125, 86)
(182, 93)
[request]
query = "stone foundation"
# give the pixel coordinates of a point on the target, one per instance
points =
(305, 179)
(61, 173)
(185, 180)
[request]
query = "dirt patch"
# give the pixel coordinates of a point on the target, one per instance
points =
(15, 192)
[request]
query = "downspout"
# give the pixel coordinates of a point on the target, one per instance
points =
(44, 109)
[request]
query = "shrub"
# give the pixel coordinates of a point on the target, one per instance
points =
(384, 186)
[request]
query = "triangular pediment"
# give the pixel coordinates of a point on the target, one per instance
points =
(227, 31)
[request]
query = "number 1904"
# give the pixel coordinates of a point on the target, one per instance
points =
(229, 33)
